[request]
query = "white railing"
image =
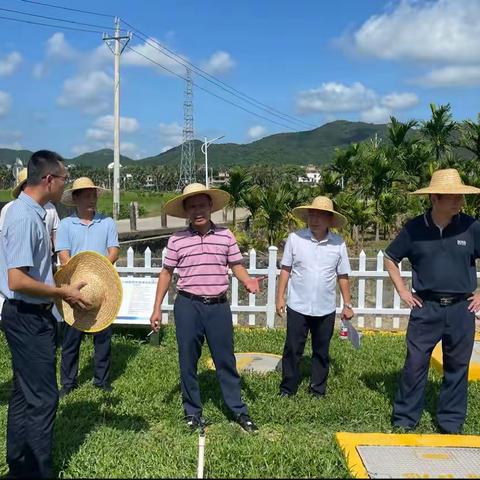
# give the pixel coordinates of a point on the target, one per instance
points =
(374, 298)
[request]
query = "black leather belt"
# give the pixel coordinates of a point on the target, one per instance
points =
(205, 300)
(444, 299)
(42, 307)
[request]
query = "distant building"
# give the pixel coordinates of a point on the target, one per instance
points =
(222, 178)
(312, 175)
(149, 182)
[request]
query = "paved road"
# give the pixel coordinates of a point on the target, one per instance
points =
(153, 223)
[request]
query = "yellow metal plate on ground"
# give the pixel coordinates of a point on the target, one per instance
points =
(383, 455)
(255, 362)
(474, 368)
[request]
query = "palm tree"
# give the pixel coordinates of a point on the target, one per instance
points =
(438, 130)
(397, 133)
(470, 136)
(238, 183)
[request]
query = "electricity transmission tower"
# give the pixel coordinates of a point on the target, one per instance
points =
(187, 161)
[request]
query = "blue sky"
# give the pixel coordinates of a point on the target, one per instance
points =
(313, 60)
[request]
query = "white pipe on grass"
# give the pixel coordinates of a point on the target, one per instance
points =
(201, 455)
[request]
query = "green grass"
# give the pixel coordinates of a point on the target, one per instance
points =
(138, 430)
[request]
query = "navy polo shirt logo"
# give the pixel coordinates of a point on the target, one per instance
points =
(462, 243)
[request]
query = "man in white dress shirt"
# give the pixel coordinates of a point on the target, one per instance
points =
(51, 219)
(313, 260)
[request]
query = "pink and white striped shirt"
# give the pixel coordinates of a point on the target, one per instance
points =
(202, 261)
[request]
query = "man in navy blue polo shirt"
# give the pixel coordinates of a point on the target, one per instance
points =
(85, 230)
(441, 245)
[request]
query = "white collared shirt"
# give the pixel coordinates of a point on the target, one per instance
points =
(315, 266)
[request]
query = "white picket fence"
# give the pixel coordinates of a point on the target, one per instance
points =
(371, 304)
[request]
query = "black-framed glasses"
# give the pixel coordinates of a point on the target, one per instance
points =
(65, 178)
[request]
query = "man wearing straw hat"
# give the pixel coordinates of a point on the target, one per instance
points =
(313, 259)
(202, 254)
(51, 219)
(441, 245)
(85, 230)
(26, 283)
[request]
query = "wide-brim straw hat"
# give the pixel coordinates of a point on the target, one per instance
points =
(103, 290)
(324, 204)
(22, 178)
(174, 207)
(79, 184)
(446, 181)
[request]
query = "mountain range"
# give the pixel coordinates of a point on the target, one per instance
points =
(315, 146)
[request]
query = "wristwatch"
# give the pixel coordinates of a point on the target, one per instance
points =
(348, 305)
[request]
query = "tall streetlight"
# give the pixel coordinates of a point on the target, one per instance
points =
(204, 149)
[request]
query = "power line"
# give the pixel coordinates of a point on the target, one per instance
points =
(219, 83)
(67, 8)
(54, 18)
(211, 93)
(59, 27)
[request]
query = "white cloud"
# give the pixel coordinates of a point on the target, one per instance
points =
(90, 92)
(5, 103)
(220, 62)
(336, 97)
(98, 134)
(59, 49)
(171, 134)
(444, 30)
(80, 149)
(399, 101)
(10, 63)
(130, 150)
(127, 124)
(153, 52)
(376, 114)
(257, 131)
(452, 76)
(39, 70)
(10, 139)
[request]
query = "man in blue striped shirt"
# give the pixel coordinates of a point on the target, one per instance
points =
(85, 230)
(26, 283)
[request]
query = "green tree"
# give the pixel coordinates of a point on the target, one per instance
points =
(238, 183)
(437, 132)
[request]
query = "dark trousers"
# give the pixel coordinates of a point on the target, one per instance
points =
(195, 321)
(30, 335)
(298, 326)
(72, 338)
(454, 325)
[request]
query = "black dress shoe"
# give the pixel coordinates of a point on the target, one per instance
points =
(285, 394)
(315, 394)
(195, 422)
(246, 423)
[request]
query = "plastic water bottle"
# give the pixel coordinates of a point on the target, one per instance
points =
(343, 330)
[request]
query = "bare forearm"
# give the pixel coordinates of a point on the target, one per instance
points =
(113, 253)
(19, 281)
(395, 276)
(64, 256)
(240, 273)
(164, 280)
(344, 286)
(282, 283)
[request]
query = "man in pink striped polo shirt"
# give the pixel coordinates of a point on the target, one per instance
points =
(202, 255)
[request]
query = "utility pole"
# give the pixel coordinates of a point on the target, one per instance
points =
(204, 149)
(120, 42)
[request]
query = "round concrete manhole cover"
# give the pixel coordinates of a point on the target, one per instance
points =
(255, 362)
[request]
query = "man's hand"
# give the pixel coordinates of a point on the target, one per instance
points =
(410, 299)
(347, 313)
(253, 285)
(155, 320)
(281, 307)
(73, 296)
(475, 302)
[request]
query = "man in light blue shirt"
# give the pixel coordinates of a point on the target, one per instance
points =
(27, 285)
(313, 259)
(85, 230)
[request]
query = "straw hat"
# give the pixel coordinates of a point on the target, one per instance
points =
(324, 204)
(446, 181)
(174, 207)
(21, 179)
(79, 184)
(103, 290)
